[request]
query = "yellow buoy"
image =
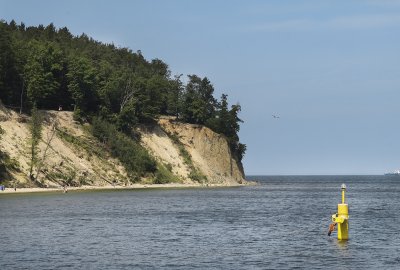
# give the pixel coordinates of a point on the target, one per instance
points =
(341, 218)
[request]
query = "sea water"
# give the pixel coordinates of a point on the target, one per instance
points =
(282, 223)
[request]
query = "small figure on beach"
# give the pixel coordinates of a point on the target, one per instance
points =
(65, 189)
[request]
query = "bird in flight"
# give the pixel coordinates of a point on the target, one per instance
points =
(275, 116)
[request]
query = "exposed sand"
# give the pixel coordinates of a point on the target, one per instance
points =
(10, 190)
(72, 155)
(62, 158)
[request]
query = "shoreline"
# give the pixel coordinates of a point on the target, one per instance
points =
(130, 187)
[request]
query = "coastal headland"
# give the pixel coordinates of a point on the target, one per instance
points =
(78, 112)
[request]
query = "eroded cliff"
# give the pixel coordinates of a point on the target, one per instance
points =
(71, 155)
(208, 151)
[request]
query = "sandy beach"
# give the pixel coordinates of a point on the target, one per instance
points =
(10, 190)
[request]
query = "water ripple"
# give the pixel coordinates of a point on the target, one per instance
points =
(280, 224)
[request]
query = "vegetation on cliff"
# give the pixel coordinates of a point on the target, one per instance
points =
(7, 164)
(114, 88)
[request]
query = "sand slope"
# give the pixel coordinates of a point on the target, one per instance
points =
(75, 157)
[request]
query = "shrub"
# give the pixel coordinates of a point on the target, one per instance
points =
(7, 164)
(132, 155)
(164, 175)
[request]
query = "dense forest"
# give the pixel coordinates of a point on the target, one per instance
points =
(46, 67)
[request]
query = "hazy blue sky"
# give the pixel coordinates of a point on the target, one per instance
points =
(329, 69)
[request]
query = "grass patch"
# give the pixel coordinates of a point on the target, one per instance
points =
(92, 147)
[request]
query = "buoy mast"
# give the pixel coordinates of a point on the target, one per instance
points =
(341, 218)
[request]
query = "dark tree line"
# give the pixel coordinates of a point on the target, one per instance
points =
(50, 67)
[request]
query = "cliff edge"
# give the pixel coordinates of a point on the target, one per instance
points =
(192, 149)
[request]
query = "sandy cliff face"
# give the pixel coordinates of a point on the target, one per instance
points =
(74, 156)
(209, 151)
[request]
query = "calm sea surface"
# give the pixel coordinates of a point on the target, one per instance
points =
(280, 224)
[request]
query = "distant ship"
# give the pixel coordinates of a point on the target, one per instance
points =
(393, 173)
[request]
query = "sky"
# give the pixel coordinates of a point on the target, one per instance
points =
(329, 69)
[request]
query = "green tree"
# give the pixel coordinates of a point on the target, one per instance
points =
(127, 101)
(219, 123)
(156, 93)
(198, 104)
(82, 83)
(3, 168)
(120, 95)
(35, 128)
(174, 96)
(227, 122)
(41, 69)
(233, 128)
(8, 73)
(159, 68)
